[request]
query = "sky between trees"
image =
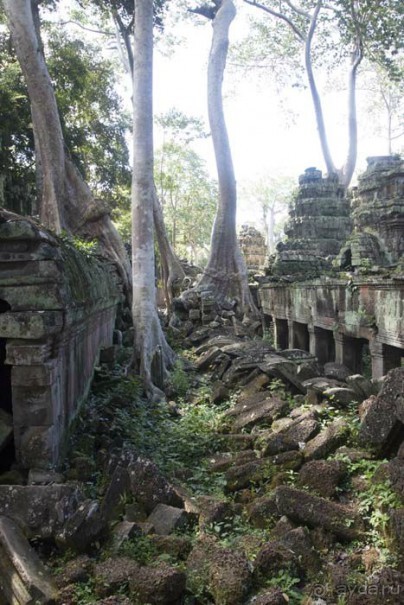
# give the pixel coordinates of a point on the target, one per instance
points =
(272, 132)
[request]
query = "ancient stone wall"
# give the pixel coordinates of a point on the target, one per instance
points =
(253, 247)
(59, 308)
(338, 316)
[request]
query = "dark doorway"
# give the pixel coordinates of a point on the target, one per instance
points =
(281, 334)
(301, 339)
(5, 370)
(6, 406)
(324, 345)
(356, 354)
(393, 357)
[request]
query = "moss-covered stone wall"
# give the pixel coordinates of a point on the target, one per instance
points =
(62, 310)
(361, 308)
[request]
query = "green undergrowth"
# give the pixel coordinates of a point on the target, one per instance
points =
(375, 501)
(142, 550)
(176, 437)
(287, 584)
(181, 437)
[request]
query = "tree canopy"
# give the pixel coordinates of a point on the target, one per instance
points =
(94, 122)
(328, 34)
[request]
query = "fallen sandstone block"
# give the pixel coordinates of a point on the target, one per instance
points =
(41, 510)
(149, 487)
(23, 578)
(327, 441)
(314, 511)
(166, 519)
(383, 419)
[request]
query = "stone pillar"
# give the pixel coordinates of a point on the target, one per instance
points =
(377, 357)
(339, 347)
(37, 413)
(291, 330)
(312, 340)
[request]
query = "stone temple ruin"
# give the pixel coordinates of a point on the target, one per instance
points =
(353, 314)
(334, 289)
(57, 309)
(253, 247)
(319, 223)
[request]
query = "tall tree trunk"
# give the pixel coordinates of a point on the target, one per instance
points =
(66, 201)
(318, 109)
(226, 271)
(346, 172)
(350, 162)
(172, 271)
(149, 338)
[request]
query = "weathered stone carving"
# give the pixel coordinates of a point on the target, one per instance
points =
(319, 222)
(253, 247)
(378, 204)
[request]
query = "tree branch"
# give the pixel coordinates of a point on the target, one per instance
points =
(298, 10)
(89, 29)
(125, 33)
(280, 16)
(397, 136)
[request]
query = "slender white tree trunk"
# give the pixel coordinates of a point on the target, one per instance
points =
(150, 344)
(315, 96)
(66, 201)
(226, 271)
(172, 271)
(350, 162)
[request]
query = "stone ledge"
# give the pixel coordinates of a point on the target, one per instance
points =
(30, 325)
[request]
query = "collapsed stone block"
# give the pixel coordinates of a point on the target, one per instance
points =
(112, 574)
(40, 510)
(166, 519)
(314, 511)
(23, 578)
(221, 572)
(82, 528)
(149, 487)
(160, 585)
(322, 476)
(327, 441)
(385, 415)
